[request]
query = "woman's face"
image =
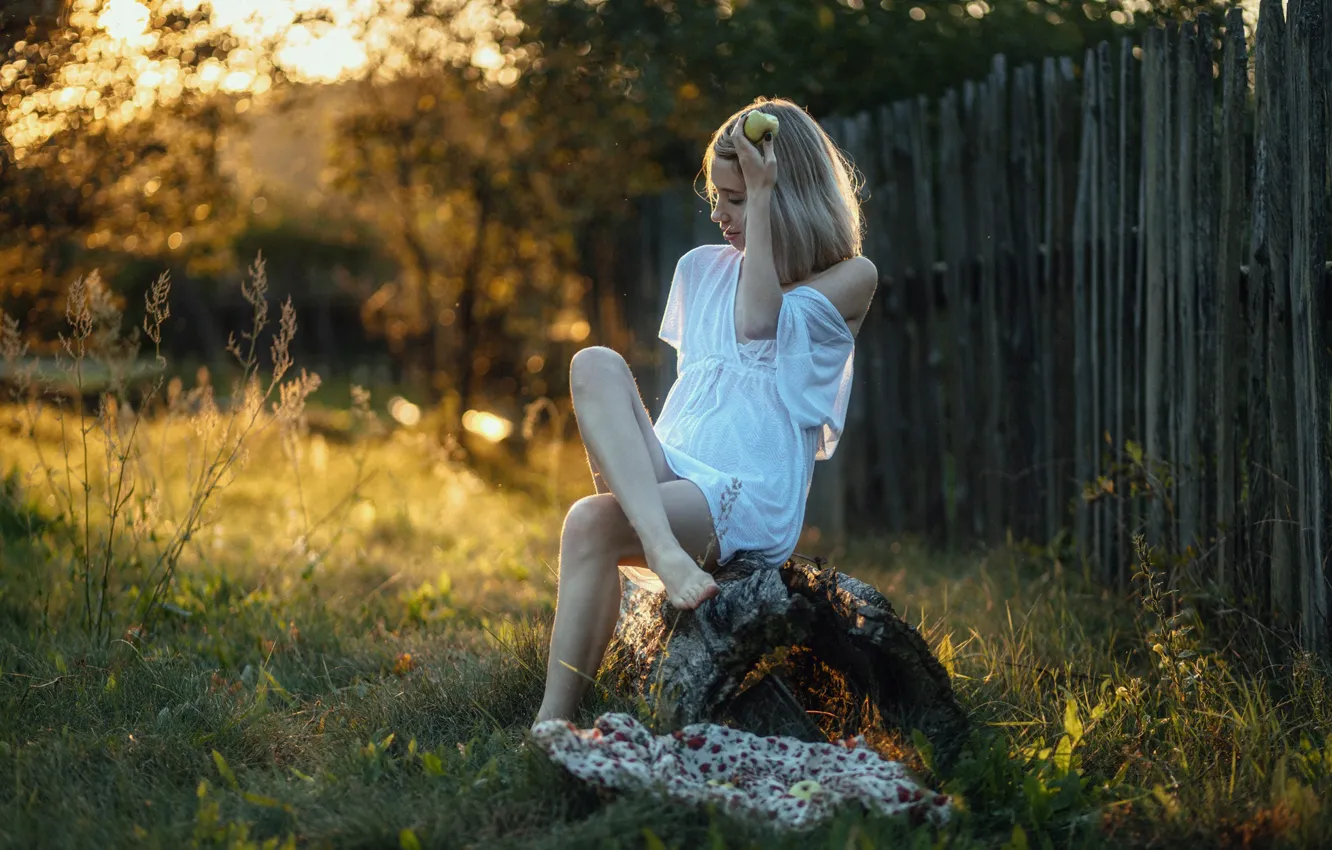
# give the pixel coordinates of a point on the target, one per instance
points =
(730, 209)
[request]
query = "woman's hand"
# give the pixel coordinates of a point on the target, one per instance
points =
(758, 164)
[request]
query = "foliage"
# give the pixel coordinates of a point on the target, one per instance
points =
(108, 499)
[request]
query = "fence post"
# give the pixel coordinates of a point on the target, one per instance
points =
(960, 353)
(1154, 364)
(1229, 333)
(1205, 194)
(1084, 296)
(1307, 89)
(1126, 287)
(933, 461)
(1269, 270)
(1186, 289)
(1027, 444)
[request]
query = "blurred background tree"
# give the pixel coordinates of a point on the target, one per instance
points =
(439, 184)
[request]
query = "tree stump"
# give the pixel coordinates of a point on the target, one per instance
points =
(779, 646)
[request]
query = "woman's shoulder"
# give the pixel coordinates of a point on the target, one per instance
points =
(705, 258)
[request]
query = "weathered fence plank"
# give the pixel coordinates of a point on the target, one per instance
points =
(886, 359)
(1006, 470)
(1186, 289)
(1155, 385)
(1108, 302)
(1125, 288)
(1205, 212)
(1053, 128)
(1083, 297)
(984, 120)
(1308, 132)
(934, 461)
(859, 468)
(1023, 350)
(960, 353)
(1170, 261)
(1229, 329)
(1269, 270)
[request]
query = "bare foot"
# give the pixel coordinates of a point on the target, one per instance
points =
(687, 586)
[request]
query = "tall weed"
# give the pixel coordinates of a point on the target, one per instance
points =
(111, 513)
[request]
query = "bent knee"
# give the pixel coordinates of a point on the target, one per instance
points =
(594, 366)
(595, 525)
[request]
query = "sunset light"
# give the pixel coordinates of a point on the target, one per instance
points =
(487, 425)
(125, 21)
(129, 64)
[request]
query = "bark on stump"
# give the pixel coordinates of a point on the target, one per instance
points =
(714, 664)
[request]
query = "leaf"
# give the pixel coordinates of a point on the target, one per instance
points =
(1134, 451)
(304, 777)
(407, 839)
(1072, 723)
(1118, 778)
(945, 654)
(432, 764)
(651, 841)
(1063, 753)
(1019, 839)
(225, 770)
(925, 748)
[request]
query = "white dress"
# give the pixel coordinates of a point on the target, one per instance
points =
(746, 422)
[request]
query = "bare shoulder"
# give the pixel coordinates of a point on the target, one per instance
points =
(850, 285)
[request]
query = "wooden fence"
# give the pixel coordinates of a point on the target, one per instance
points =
(1102, 308)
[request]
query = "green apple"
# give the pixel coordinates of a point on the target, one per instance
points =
(758, 123)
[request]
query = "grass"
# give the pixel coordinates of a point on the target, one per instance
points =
(352, 641)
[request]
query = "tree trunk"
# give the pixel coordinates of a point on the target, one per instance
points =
(781, 646)
(467, 327)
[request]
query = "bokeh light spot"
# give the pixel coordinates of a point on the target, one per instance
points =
(487, 425)
(404, 412)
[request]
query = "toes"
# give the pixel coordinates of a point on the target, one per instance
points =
(702, 593)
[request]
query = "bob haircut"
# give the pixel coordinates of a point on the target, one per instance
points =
(815, 209)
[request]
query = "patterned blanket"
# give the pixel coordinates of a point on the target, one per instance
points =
(789, 783)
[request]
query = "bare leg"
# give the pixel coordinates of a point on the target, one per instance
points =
(604, 405)
(597, 538)
(604, 609)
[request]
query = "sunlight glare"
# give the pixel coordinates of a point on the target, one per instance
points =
(124, 67)
(487, 425)
(323, 56)
(404, 411)
(126, 21)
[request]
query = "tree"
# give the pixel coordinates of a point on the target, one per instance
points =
(453, 175)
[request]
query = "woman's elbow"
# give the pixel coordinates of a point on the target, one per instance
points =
(761, 327)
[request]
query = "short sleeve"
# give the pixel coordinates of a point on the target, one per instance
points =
(673, 318)
(814, 364)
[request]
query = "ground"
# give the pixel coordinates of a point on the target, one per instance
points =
(355, 664)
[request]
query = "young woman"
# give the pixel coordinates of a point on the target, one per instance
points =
(764, 329)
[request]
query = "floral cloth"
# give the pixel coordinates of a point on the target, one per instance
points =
(789, 783)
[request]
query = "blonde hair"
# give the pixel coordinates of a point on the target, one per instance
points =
(815, 209)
